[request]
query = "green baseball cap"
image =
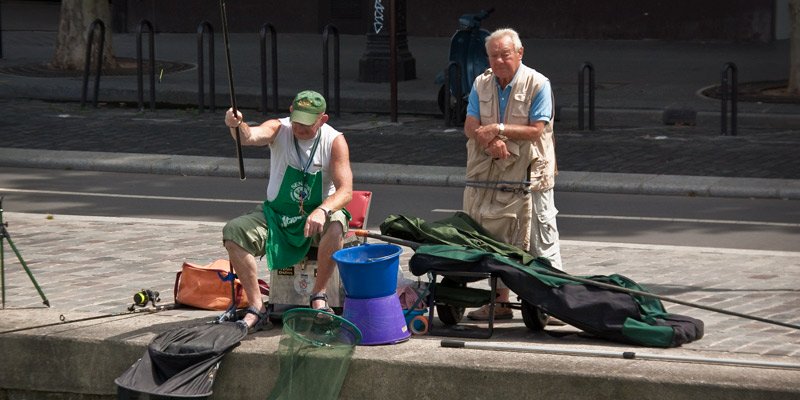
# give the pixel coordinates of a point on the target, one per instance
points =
(307, 106)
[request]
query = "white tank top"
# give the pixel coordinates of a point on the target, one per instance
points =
(283, 153)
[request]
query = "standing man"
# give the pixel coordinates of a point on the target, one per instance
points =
(511, 162)
(310, 183)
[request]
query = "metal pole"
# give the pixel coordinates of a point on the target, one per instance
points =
(627, 355)
(269, 28)
(226, 39)
(87, 65)
(99, 61)
(393, 59)
(152, 65)
(152, 54)
(1, 34)
(581, 73)
(204, 27)
(4, 235)
(728, 88)
(326, 32)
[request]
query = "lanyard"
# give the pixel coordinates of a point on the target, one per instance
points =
(305, 168)
(310, 156)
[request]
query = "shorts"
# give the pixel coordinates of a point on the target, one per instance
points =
(250, 232)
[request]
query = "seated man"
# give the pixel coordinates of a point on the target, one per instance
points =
(310, 183)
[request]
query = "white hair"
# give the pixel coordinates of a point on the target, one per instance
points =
(501, 33)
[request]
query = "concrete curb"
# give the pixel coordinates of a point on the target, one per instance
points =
(417, 368)
(396, 174)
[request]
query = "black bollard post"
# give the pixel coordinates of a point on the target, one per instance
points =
(204, 29)
(587, 66)
(267, 27)
(326, 32)
(96, 24)
(729, 89)
(152, 64)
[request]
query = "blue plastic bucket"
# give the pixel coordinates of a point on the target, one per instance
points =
(370, 270)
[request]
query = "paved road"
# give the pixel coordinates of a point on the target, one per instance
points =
(759, 224)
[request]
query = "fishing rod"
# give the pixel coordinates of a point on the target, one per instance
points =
(64, 321)
(627, 355)
(140, 299)
(225, 38)
(415, 245)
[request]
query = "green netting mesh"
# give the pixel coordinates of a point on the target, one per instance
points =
(314, 351)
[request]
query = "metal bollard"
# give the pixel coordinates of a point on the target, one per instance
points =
(1, 33)
(89, 45)
(728, 88)
(587, 66)
(203, 29)
(326, 32)
(267, 27)
(139, 70)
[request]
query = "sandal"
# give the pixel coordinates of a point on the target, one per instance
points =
(320, 296)
(262, 323)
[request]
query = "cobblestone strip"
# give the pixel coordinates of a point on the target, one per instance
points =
(415, 140)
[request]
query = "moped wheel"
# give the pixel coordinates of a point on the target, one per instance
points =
(459, 107)
(441, 99)
(535, 319)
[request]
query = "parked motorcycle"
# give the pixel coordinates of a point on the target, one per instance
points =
(467, 60)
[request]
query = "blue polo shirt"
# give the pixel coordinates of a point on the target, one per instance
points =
(541, 106)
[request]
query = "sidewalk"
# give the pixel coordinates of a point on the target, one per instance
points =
(91, 266)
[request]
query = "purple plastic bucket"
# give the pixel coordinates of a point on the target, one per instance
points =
(370, 270)
(380, 320)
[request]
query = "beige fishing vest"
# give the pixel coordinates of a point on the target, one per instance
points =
(504, 212)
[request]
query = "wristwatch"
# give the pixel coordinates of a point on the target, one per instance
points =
(500, 135)
(328, 212)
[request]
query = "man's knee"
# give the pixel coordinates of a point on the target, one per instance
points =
(232, 246)
(247, 233)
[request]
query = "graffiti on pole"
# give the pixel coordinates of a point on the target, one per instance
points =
(377, 23)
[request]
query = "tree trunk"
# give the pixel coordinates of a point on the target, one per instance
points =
(794, 48)
(73, 29)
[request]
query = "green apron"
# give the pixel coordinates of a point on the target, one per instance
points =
(299, 194)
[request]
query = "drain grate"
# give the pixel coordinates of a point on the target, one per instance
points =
(765, 92)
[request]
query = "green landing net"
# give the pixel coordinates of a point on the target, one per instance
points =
(314, 351)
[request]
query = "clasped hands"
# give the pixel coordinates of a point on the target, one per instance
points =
(486, 135)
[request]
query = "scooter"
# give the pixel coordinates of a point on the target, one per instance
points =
(467, 60)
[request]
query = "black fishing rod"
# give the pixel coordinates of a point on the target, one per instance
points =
(64, 321)
(415, 245)
(140, 299)
(225, 38)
